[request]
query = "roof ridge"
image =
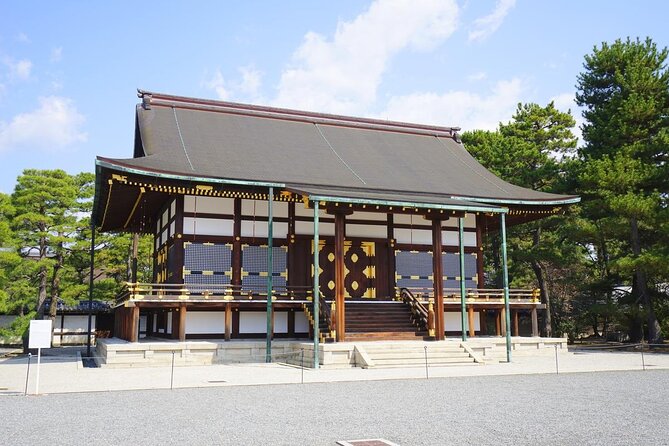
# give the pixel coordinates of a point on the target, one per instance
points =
(153, 98)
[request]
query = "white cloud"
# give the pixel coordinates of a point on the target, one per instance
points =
(56, 54)
(485, 26)
(342, 74)
(465, 109)
(54, 125)
(477, 76)
(23, 38)
(251, 81)
(217, 83)
(19, 69)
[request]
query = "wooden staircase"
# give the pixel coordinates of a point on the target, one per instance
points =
(323, 323)
(375, 321)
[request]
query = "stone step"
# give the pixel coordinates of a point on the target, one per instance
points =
(436, 361)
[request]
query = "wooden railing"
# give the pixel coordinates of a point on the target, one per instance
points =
(157, 292)
(423, 294)
(421, 315)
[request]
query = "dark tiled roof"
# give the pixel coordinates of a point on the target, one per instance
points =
(81, 307)
(352, 157)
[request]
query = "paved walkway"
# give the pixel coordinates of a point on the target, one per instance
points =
(62, 372)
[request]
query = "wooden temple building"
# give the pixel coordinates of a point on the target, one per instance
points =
(272, 223)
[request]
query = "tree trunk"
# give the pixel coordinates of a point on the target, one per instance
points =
(55, 287)
(545, 295)
(640, 287)
(41, 294)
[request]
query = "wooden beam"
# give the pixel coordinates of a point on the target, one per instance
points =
(340, 235)
(515, 331)
(438, 279)
(498, 323)
(535, 323)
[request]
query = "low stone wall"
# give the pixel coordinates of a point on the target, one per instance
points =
(115, 352)
(492, 350)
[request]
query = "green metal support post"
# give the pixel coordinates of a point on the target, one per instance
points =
(463, 309)
(270, 271)
(90, 291)
(505, 276)
(316, 293)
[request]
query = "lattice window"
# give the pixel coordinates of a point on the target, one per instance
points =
(207, 263)
(413, 269)
(450, 262)
(254, 267)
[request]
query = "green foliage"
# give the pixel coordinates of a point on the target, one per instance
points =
(45, 236)
(623, 175)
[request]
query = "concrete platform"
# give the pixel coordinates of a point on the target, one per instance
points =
(157, 352)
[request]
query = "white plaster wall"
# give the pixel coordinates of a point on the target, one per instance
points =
(252, 322)
(280, 322)
(301, 322)
(279, 208)
(375, 216)
(207, 226)
(452, 321)
(452, 238)
(259, 229)
(205, 322)
(414, 236)
(208, 205)
(73, 322)
(368, 231)
(307, 228)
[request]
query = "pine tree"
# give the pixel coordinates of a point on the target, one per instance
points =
(624, 89)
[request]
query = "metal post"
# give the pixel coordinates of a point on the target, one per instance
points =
(505, 276)
(270, 270)
(557, 364)
(90, 290)
(39, 360)
(172, 373)
(427, 373)
(316, 293)
(463, 319)
(30, 355)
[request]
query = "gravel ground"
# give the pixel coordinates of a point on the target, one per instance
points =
(608, 408)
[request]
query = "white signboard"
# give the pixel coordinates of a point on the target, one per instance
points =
(40, 334)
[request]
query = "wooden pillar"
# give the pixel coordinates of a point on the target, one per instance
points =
(390, 233)
(290, 254)
(502, 318)
(340, 234)
(236, 279)
(470, 313)
(228, 321)
(515, 330)
(134, 324)
(479, 252)
(438, 279)
(498, 323)
(483, 319)
(535, 323)
(182, 323)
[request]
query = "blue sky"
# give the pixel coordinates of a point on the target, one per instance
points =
(69, 70)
